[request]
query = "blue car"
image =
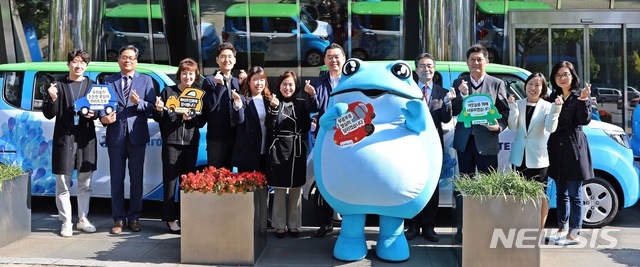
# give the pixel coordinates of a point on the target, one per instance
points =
(100, 97)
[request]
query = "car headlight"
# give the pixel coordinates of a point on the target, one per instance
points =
(620, 137)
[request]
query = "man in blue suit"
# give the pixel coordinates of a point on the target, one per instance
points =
(127, 137)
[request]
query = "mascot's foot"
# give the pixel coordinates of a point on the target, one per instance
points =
(350, 248)
(393, 248)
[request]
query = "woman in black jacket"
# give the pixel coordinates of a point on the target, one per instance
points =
(74, 142)
(180, 136)
(288, 124)
(569, 157)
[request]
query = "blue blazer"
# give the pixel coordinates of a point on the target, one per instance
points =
(130, 118)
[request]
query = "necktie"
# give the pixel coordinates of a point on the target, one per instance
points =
(127, 87)
(425, 93)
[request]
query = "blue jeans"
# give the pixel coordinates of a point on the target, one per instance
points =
(569, 202)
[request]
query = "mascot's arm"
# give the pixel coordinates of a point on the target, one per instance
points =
(415, 116)
(328, 119)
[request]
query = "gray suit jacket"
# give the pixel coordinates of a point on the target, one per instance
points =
(486, 141)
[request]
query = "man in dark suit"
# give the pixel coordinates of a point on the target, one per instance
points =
(317, 100)
(127, 137)
(439, 102)
(218, 108)
(477, 146)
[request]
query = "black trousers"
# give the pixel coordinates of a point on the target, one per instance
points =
(176, 160)
(427, 216)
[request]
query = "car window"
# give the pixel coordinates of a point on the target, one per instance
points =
(256, 25)
(379, 22)
(42, 82)
(128, 24)
(12, 87)
(281, 25)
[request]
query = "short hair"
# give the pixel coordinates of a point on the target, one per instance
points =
(478, 48)
(246, 89)
(284, 75)
(543, 91)
(575, 80)
(129, 47)
(188, 64)
(225, 46)
(78, 53)
(333, 46)
(424, 55)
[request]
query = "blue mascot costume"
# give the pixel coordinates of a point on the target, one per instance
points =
(377, 152)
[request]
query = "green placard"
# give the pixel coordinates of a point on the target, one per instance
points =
(478, 109)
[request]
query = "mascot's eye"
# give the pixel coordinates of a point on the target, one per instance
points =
(401, 70)
(351, 66)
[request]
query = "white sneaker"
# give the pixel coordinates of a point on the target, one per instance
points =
(85, 225)
(67, 229)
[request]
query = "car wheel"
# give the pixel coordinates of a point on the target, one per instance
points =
(108, 110)
(360, 54)
(369, 128)
(600, 202)
(112, 56)
(192, 113)
(171, 111)
(84, 111)
(313, 58)
(372, 115)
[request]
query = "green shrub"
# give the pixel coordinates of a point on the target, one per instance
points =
(9, 171)
(500, 184)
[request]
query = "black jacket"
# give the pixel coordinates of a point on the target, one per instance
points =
(569, 156)
(65, 133)
(173, 129)
(288, 126)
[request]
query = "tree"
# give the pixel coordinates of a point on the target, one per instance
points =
(37, 12)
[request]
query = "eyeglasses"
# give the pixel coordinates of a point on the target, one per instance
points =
(76, 62)
(330, 57)
(423, 66)
(564, 75)
(125, 58)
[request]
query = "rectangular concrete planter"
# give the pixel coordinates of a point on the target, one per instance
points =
(230, 229)
(15, 206)
(517, 223)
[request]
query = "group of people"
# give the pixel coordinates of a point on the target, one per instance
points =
(254, 129)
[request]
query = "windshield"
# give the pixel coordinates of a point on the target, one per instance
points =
(309, 22)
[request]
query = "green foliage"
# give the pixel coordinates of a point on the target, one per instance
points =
(36, 11)
(500, 184)
(9, 171)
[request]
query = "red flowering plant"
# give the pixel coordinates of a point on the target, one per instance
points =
(222, 181)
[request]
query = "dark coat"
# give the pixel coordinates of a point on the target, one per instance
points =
(440, 112)
(173, 129)
(288, 126)
(247, 150)
(217, 110)
(569, 156)
(65, 133)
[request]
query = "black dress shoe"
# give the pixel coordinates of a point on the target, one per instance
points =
(430, 234)
(323, 230)
(134, 226)
(412, 232)
(280, 234)
(295, 233)
(117, 227)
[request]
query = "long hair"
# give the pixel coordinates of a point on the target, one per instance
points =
(287, 74)
(246, 89)
(575, 80)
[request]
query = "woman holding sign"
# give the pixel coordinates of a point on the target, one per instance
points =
(180, 136)
(569, 157)
(533, 119)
